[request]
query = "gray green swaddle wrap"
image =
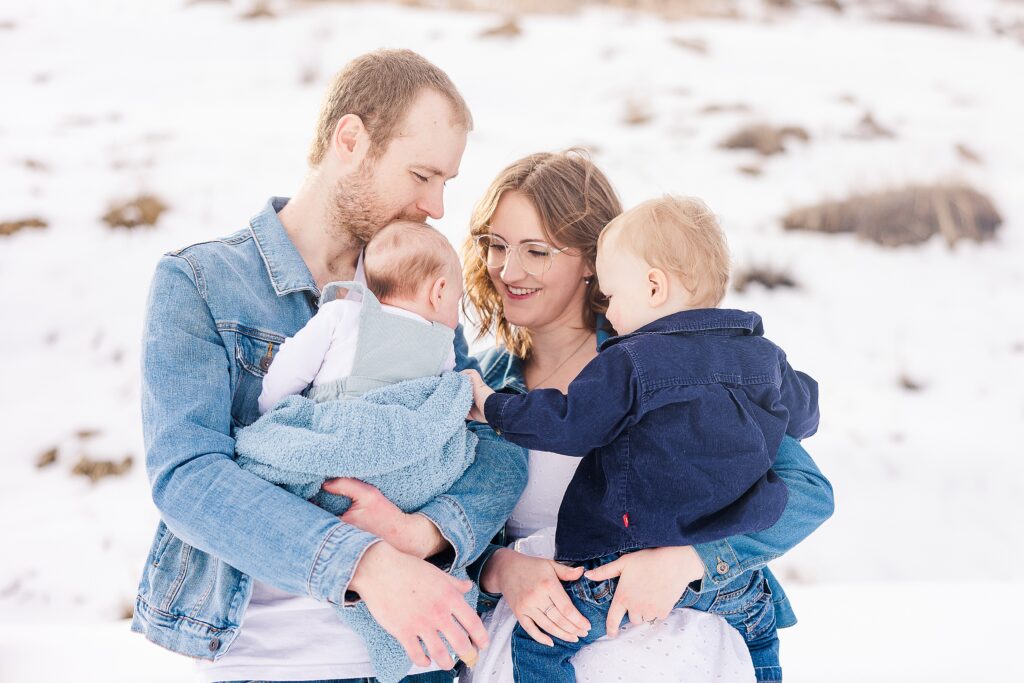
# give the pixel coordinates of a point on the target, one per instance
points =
(393, 423)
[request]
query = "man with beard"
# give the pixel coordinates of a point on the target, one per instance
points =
(231, 547)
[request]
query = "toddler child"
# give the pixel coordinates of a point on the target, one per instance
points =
(677, 420)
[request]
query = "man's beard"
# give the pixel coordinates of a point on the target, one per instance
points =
(358, 212)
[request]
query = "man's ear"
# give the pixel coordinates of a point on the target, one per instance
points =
(657, 284)
(351, 141)
(436, 293)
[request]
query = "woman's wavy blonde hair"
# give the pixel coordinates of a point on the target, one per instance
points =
(575, 202)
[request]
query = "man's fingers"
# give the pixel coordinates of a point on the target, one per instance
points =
(606, 571)
(467, 617)
(345, 486)
(616, 611)
(413, 648)
(437, 651)
(566, 573)
(535, 633)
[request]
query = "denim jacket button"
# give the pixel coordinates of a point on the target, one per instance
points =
(214, 644)
(722, 567)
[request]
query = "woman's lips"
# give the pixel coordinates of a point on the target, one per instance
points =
(520, 293)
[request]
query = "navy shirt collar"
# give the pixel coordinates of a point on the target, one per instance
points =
(288, 272)
(724, 321)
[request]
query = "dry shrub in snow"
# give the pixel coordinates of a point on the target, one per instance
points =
(868, 128)
(763, 138)
(929, 14)
(11, 227)
(909, 383)
(698, 45)
(751, 170)
(968, 154)
(509, 28)
(98, 469)
(764, 275)
(143, 210)
(737, 108)
(909, 216)
(636, 113)
(47, 458)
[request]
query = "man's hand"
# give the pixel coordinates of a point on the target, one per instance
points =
(415, 601)
(651, 582)
(412, 534)
(480, 393)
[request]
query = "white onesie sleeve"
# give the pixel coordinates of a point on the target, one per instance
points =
(299, 360)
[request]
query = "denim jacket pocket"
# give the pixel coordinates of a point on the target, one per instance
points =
(254, 352)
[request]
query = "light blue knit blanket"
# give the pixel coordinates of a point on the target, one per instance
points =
(407, 439)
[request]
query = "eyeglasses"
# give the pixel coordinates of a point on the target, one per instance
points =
(535, 257)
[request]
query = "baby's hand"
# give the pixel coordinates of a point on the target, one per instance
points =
(480, 393)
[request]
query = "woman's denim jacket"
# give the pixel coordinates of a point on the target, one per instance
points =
(810, 504)
(217, 313)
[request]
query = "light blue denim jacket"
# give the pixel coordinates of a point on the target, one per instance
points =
(217, 313)
(810, 504)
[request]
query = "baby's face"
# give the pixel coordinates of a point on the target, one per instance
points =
(623, 278)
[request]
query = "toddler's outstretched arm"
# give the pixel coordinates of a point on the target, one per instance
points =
(480, 393)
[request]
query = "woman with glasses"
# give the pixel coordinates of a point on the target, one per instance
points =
(530, 281)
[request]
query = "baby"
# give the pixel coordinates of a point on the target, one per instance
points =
(677, 420)
(392, 348)
(403, 329)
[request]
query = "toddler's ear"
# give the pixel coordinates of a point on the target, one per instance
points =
(657, 284)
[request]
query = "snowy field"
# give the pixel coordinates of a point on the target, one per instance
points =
(919, 575)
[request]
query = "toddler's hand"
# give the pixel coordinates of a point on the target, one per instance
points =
(480, 393)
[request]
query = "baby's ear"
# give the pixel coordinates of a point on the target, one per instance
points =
(657, 284)
(436, 291)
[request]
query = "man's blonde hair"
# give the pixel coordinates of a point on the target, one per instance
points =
(405, 255)
(380, 87)
(680, 236)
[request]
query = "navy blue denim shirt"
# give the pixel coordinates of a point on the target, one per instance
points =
(681, 421)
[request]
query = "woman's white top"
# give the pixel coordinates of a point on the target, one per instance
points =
(688, 646)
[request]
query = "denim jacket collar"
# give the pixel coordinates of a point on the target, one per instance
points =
(724, 321)
(287, 270)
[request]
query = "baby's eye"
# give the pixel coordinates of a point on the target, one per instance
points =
(420, 178)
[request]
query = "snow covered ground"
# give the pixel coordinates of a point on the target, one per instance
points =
(212, 113)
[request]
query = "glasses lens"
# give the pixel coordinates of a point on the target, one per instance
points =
(536, 257)
(493, 251)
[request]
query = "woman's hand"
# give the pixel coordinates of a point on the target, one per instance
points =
(651, 582)
(532, 588)
(480, 393)
(412, 534)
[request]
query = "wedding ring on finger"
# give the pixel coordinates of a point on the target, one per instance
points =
(651, 620)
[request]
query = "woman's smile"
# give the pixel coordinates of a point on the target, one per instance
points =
(520, 293)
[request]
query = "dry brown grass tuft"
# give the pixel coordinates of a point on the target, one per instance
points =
(698, 45)
(143, 210)
(924, 15)
(968, 154)
(47, 458)
(751, 170)
(763, 138)
(636, 113)
(868, 128)
(908, 216)
(733, 108)
(909, 383)
(258, 10)
(11, 227)
(764, 275)
(509, 28)
(99, 469)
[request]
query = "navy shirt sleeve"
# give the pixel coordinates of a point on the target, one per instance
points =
(800, 396)
(602, 401)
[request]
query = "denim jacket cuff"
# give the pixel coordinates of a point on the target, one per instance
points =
(485, 601)
(721, 565)
(336, 561)
(451, 520)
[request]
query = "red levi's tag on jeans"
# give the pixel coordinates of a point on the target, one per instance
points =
(625, 520)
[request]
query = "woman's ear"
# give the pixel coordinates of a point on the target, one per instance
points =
(437, 293)
(657, 284)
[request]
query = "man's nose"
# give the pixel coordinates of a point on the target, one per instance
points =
(431, 202)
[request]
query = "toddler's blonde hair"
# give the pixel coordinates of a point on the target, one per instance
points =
(680, 236)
